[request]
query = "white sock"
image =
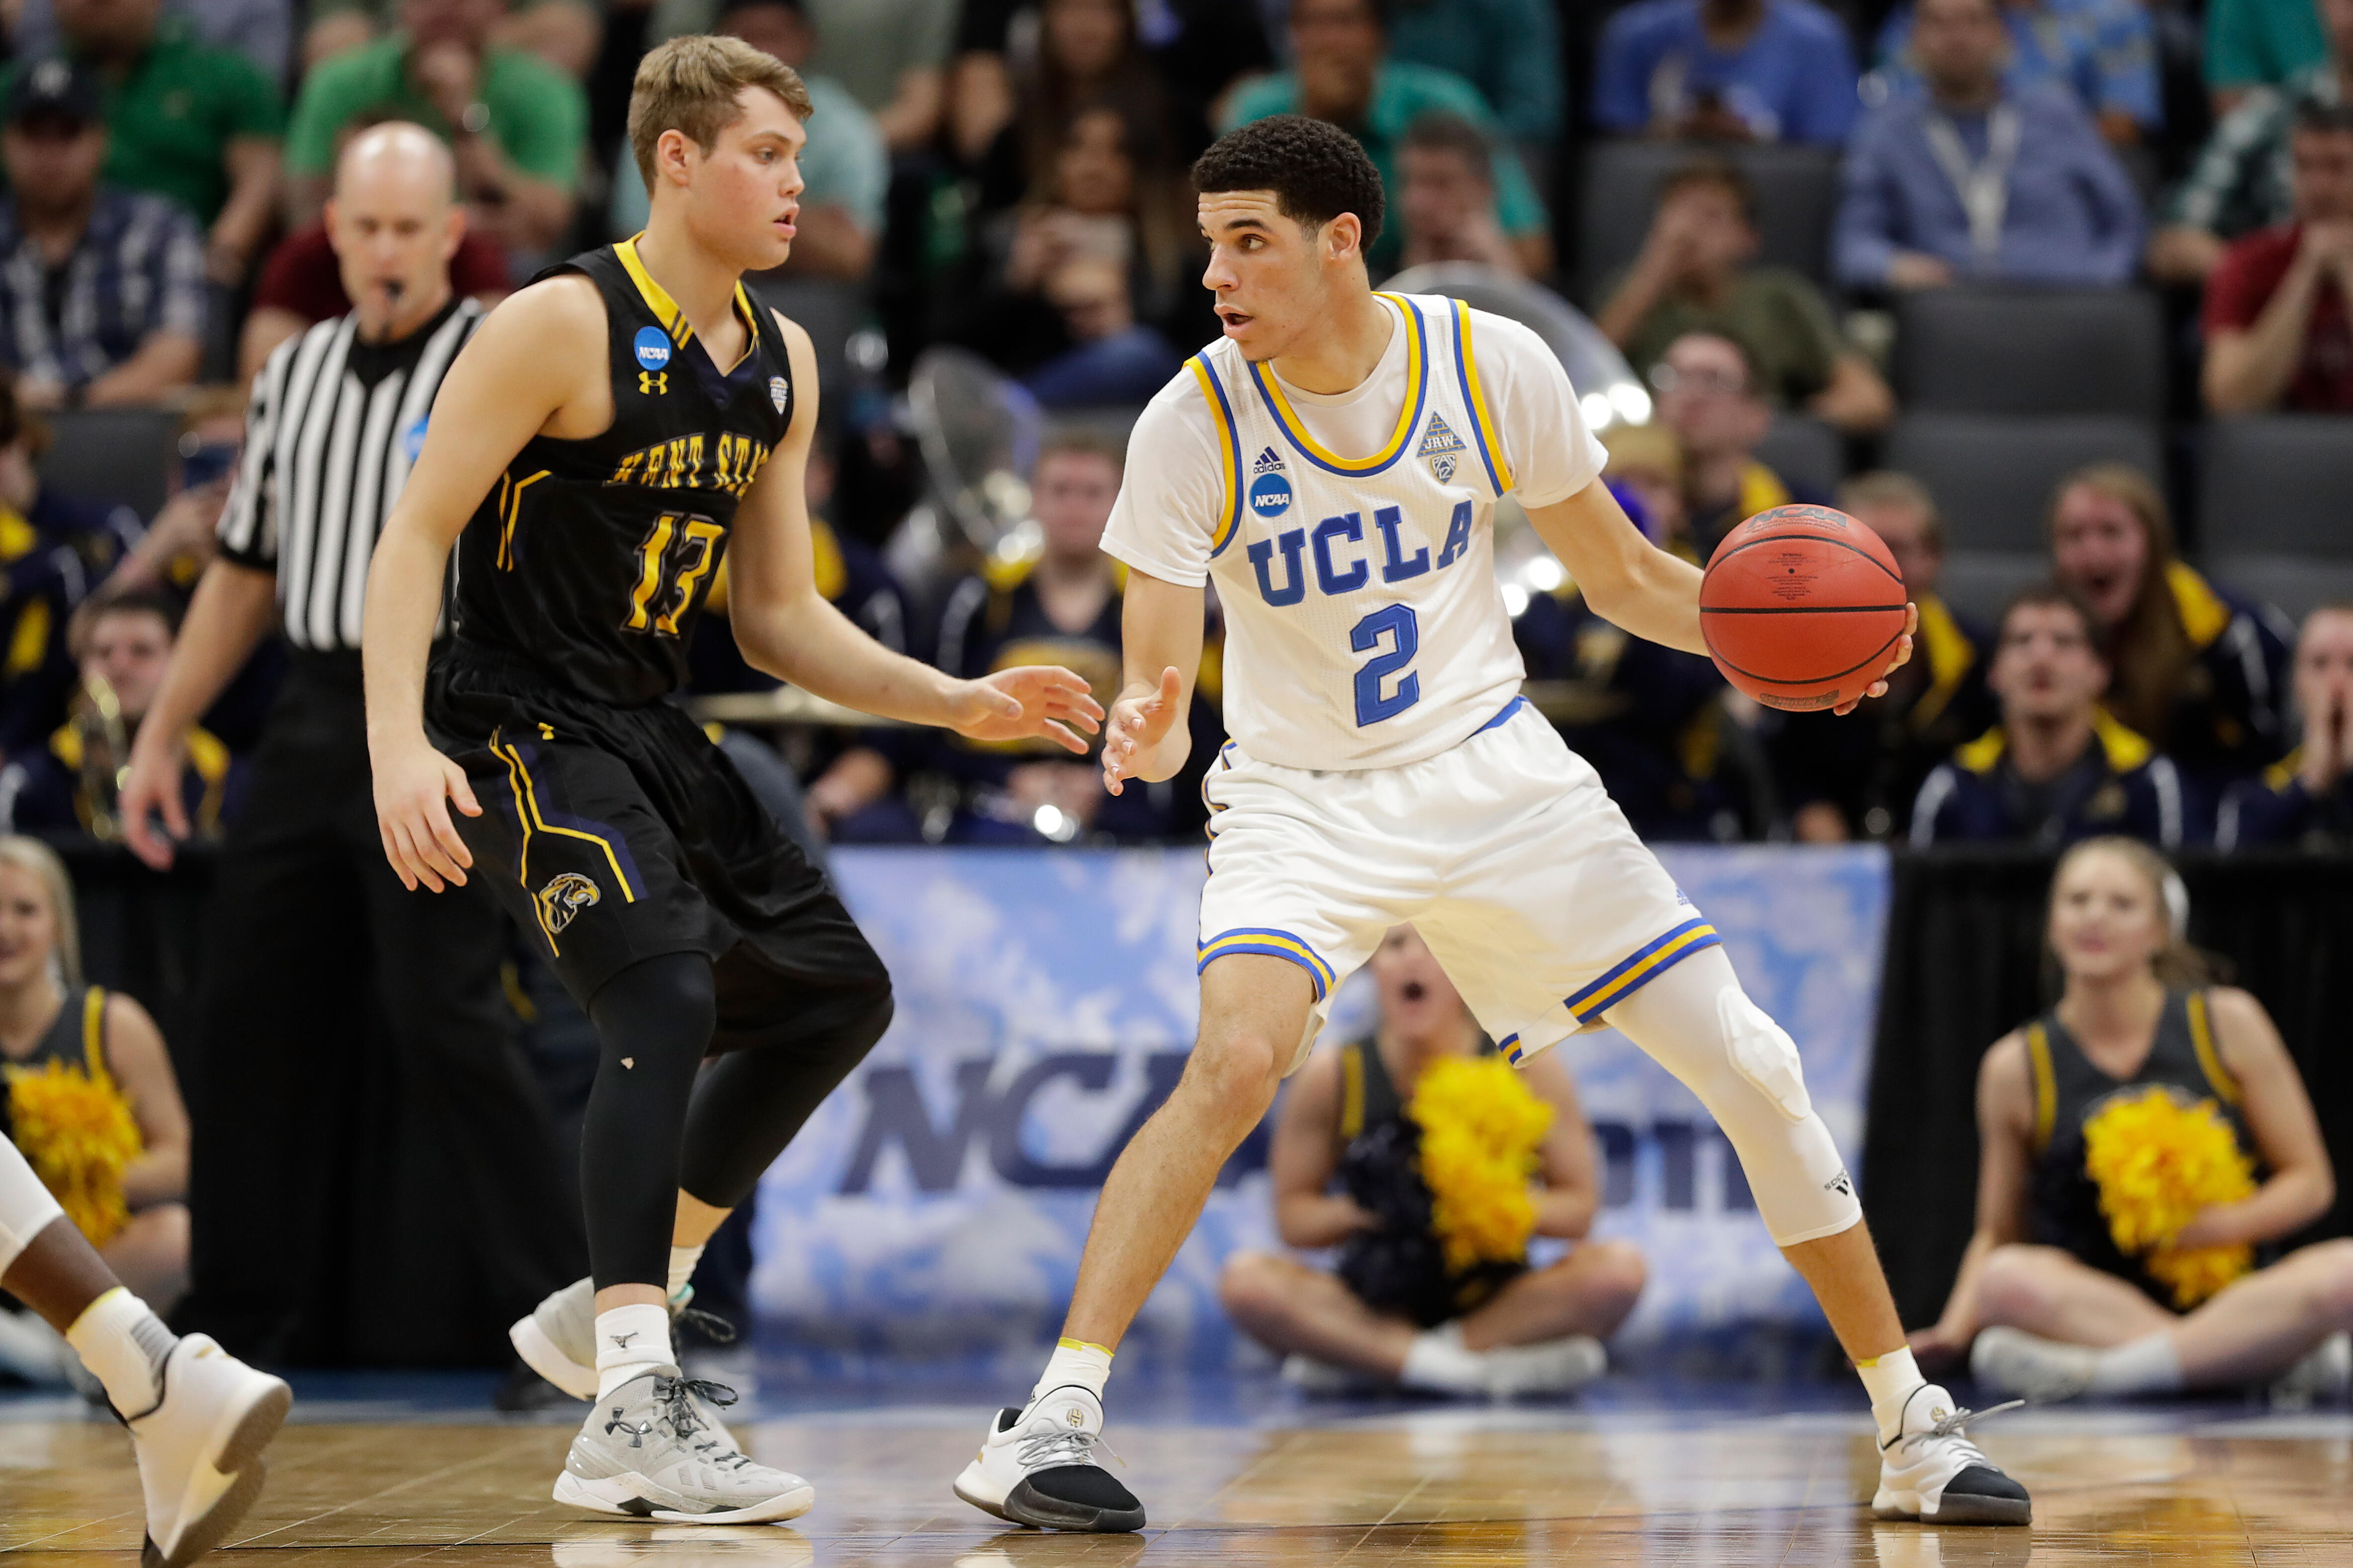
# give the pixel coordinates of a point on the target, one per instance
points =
(628, 1340)
(1074, 1362)
(682, 1261)
(2146, 1365)
(1439, 1361)
(123, 1344)
(1889, 1380)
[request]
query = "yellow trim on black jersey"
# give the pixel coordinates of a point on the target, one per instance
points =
(519, 784)
(2209, 1060)
(666, 310)
(1352, 1089)
(2046, 1085)
(511, 514)
(93, 1031)
(1417, 371)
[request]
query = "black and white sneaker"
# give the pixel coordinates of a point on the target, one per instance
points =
(1930, 1471)
(1037, 1466)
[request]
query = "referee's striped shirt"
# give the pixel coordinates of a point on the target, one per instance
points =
(333, 428)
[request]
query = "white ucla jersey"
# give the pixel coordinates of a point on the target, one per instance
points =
(1364, 626)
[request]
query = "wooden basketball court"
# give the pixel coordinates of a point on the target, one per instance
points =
(1638, 1483)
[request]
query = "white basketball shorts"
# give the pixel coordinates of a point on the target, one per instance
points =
(1505, 853)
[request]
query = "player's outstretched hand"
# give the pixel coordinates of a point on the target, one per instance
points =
(414, 788)
(151, 785)
(1138, 725)
(1902, 657)
(1024, 702)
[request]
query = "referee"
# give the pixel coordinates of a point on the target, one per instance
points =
(313, 941)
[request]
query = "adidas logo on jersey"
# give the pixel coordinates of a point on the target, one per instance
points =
(1441, 447)
(1269, 462)
(1269, 493)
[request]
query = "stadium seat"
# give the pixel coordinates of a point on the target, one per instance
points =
(829, 311)
(2031, 351)
(113, 454)
(2271, 507)
(1993, 476)
(1797, 192)
(1979, 582)
(1805, 452)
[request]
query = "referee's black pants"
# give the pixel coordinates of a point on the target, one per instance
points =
(375, 1178)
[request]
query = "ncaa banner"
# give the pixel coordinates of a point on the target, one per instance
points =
(936, 1204)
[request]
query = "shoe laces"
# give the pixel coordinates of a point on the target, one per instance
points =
(1054, 1444)
(716, 1328)
(1950, 1430)
(676, 1396)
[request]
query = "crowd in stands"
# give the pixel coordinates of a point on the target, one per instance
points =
(1007, 176)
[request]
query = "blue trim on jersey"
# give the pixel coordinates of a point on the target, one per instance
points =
(1274, 943)
(1513, 705)
(1229, 432)
(1472, 403)
(1295, 430)
(1509, 1046)
(1642, 966)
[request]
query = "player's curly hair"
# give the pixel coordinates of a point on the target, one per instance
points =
(1316, 170)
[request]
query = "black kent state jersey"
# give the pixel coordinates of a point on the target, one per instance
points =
(590, 560)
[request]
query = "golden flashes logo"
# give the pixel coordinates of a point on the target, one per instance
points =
(565, 897)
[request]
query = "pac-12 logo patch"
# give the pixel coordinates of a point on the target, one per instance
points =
(1442, 448)
(652, 346)
(779, 392)
(565, 897)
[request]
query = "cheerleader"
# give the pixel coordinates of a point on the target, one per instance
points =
(91, 1101)
(1405, 1306)
(2146, 1143)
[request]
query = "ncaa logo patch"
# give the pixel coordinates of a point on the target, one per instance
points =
(565, 897)
(779, 392)
(1270, 495)
(652, 347)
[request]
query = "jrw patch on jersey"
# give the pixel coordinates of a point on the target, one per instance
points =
(1441, 447)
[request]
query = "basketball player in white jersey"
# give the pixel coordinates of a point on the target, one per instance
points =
(1334, 463)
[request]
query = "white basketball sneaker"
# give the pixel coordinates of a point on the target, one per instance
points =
(199, 1449)
(558, 1339)
(1037, 1466)
(1548, 1366)
(2027, 1367)
(1930, 1471)
(651, 1450)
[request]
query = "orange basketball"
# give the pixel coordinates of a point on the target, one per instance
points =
(1801, 607)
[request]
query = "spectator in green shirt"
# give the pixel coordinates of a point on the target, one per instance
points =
(1694, 275)
(195, 124)
(1508, 49)
(516, 123)
(2259, 43)
(1344, 75)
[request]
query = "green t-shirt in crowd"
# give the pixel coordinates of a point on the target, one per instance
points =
(170, 119)
(1781, 316)
(2262, 42)
(538, 116)
(1402, 94)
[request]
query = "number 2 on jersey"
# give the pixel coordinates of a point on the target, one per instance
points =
(1396, 621)
(666, 582)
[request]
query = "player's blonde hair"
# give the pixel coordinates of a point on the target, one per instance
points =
(689, 85)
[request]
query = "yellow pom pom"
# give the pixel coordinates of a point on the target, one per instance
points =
(2159, 1162)
(78, 1136)
(1480, 1131)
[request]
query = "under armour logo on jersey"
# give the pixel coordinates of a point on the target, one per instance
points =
(1441, 447)
(565, 897)
(1840, 1184)
(654, 383)
(1268, 462)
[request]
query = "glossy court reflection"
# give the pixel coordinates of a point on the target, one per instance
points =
(1499, 1489)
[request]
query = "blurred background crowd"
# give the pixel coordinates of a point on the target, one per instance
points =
(2051, 294)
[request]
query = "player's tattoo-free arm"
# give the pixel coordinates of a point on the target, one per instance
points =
(524, 363)
(1638, 587)
(1160, 633)
(785, 627)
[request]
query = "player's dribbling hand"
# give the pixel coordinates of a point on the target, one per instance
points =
(1902, 657)
(414, 789)
(1138, 725)
(1027, 701)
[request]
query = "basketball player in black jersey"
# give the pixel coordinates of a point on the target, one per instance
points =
(609, 432)
(2045, 1305)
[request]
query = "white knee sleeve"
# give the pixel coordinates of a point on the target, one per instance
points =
(1696, 1022)
(27, 1209)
